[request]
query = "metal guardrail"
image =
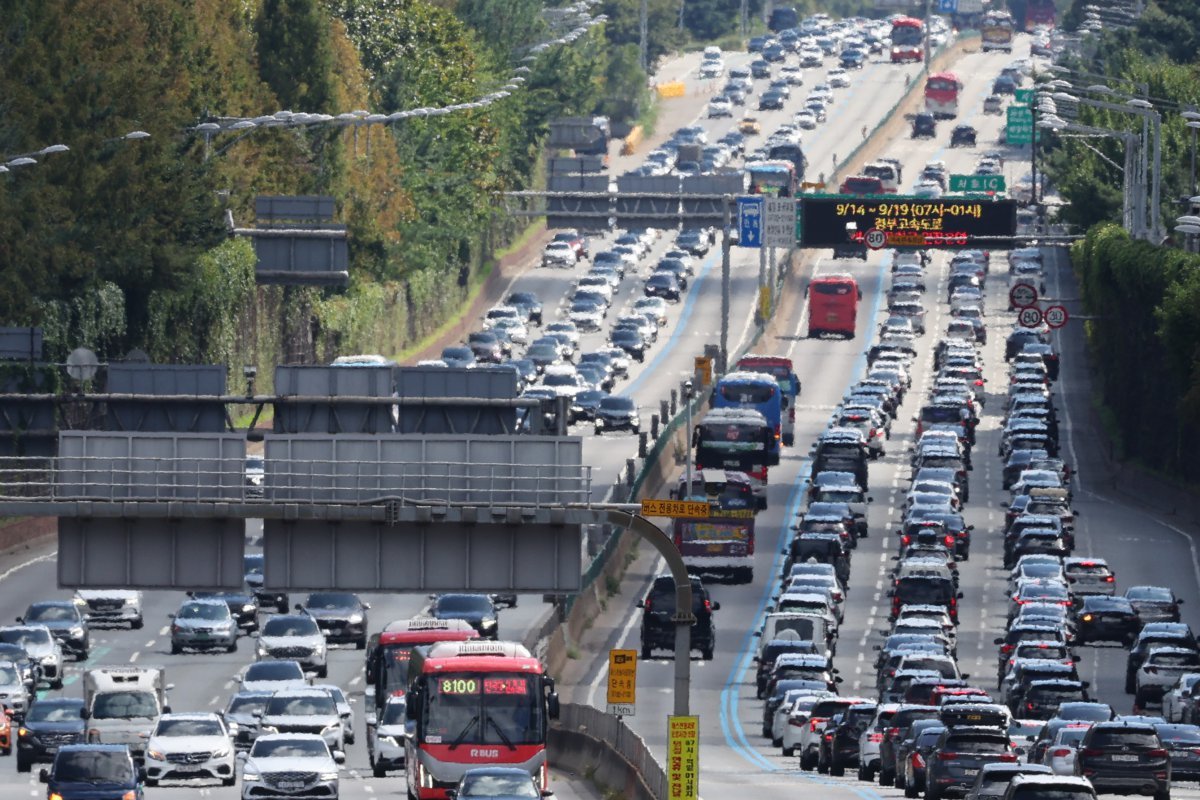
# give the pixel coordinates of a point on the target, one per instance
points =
(199, 479)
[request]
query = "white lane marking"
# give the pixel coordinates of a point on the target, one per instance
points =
(164, 630)
(216, 698)
(25, 564)
(356, 680)
(591, 695)
(134, 656)
(150, 644)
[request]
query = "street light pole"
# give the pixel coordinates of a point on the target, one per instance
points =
(726, 247)
(687, 406)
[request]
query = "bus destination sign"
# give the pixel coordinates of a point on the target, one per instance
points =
(905, 221)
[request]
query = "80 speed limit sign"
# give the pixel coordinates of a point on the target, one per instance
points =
(1030, 317)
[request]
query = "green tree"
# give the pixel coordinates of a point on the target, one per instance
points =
(295, 55)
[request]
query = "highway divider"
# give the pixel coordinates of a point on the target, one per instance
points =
(588, 741)
(631, 142)
(671, 89)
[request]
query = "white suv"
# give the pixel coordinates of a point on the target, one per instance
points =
(1089, 576)
(1160, 671)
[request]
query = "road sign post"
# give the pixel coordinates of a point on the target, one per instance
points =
(1022, 295)
(1056, 316)
(977, 183)
(750, 213)
(1030, 317)
(622, 682)
(683, 758)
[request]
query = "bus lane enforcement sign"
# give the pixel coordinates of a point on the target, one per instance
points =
(1030, 317)
(779, 222)
(622, 682)
(1023, 295)
(683, 758)
(1056, 316)
(750, 211)
(905, 221)
(680, 509)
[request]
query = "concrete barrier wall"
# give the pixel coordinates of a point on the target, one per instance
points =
(589, 742)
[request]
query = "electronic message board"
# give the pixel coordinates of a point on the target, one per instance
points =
(833, 220)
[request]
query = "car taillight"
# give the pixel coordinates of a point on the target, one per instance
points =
(1006, 648)
(892, 733)
(814, 723)
(792, 414)
(917, 761)
(646, 605)
(777, 433)
(875, 738)
(1008, 757)
(944, 756)
(1060, 752)
(1157, 752)
(708, 605)
(949, 540)
(905, 539)
(1152, 670)
(1109, 578)
(1030, 706)
(1091, 752)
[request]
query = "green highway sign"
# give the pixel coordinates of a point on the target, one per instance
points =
(1019, 129)
(1024, 96)
(977, 183)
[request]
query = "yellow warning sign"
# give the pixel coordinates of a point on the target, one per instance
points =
(622, 682)
(683, 758)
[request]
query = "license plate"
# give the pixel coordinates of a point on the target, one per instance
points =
(831, 317)
(970, 772)
(716, 548)
(1124, 758)
(288, 786)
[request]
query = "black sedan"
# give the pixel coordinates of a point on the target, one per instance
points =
(924, 126)
(617, 414)
(962, 136)
(478, 610)
(1107, 619)
(631, 341)
(341, 616)
(1154, 603)
(584, 404)
(254, 579)
(664, 285)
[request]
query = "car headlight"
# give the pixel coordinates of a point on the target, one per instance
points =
(50, 659)
(356, 619)
(224, 751)
(329, 776)
(247, 608)
(76, 631)
(156, 755)
(248, 775)
(337, 726)
(489, 623)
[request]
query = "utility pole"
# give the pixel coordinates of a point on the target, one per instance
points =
(726, 246)
(928, 11)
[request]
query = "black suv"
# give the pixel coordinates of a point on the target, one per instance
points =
(49, 724)
(839, 744)
(658, 631)
(896, 731)
(1124, 758)
(771, 651)
(959, 755)
(924, 125)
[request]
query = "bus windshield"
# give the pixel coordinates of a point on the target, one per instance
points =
(394, 660)
(737, 437)
(483, 708)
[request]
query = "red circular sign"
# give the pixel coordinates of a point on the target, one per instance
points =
(1022, 295)
(1056, 316)
(875, 238)
(1030, 317)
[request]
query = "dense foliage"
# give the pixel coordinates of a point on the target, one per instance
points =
(1146, 336)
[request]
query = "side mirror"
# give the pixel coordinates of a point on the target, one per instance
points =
(20, 620)
(170, 616)
(758, 634)
(716, 606)
(839, 679)
(85, 714)
(233, 727)
(553, 706)
(44, 775)
(299, 607)
(1075, 659)
(641, 603)
(959, 595)
(366, 606)
(1086, 684)
(339, 757)
(170, 686)
(870, 499)
(166, 709)
(965, 676)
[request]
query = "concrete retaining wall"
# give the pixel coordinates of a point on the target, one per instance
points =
(26, 531)
(588, 742)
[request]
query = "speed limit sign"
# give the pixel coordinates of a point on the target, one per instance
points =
(1030, 317)
(1056, 316)
(875, 238)
(1022, 295)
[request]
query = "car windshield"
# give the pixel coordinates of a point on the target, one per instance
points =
(289, 748)
(1149, 593)
(274, 671)
(306, 705)
(49, 613)
(206, 611)
(92, 766)
(290, 626)
(53, 712)
(1123, 738)
(498, 786)
(188, 727)
(26, 636)
(394, 713)
(617, 404)
(254, 565)
(463, 602)
(247, 704)
(124, 705)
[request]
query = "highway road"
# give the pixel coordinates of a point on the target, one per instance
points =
(1143, 546)
(204, 682)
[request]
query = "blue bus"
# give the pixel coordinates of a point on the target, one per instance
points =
(756, 391)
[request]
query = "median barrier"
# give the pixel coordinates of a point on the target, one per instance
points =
(588, 741)
(630, 143)
(671, 89)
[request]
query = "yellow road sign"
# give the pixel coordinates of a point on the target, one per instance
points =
(703, 367)
(683, 758)
(622, 682)
(684, 509)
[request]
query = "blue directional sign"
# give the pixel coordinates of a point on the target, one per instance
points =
(947, 6)
(750, 215)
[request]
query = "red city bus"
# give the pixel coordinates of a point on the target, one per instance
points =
(908, 40)
(941, 95)
(473, 704)
(1040, 12)
(833, 305)
(390, 652)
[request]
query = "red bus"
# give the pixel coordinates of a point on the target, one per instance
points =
(390, 651)
(908, 40)
(833, 305)
(941, 95)
(1040, 12)
(473, 704)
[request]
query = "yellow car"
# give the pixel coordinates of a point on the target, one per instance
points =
(749, 125)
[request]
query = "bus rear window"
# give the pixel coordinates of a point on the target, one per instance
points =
(748, 393)
(833, 288)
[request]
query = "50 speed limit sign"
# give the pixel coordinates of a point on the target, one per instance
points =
(1056, 316)
(1030, 317)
